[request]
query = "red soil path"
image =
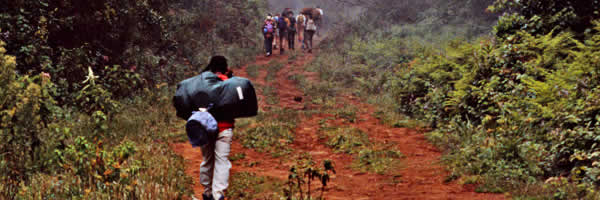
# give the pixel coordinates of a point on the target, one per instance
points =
(421, 175)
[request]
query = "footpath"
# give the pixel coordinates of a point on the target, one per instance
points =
(421, 176)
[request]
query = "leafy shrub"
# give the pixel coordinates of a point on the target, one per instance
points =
(542, 18)
(303, 173)
(518, 110)
(27, 110)
(52, 119)
(144, 43)
(47, 151)
(511, 109)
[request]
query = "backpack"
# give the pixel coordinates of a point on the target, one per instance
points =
(288, 22)
(269, 28)
(282, 24)
(292, 24)
(310, 25)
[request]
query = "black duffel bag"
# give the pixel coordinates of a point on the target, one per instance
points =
(230, 99)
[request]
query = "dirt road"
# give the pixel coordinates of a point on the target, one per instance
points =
(420, 177)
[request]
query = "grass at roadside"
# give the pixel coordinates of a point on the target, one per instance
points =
(132, 160)
(270, 93)
(270, 132)
(368, 155)
(273, 68)
(253, 71)
(249, 186)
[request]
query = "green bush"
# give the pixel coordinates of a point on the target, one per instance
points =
(27, 111)
(511, 109)
(304, 172)
(518, 110)
(540, 18)
(71, 94)
(60, 153)
(144, 43)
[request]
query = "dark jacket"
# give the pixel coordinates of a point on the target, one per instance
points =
(292, 24)
(281, 24)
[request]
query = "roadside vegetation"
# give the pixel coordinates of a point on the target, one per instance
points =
(88, 116)
(271, 131)
(509, 92)
(514, 106)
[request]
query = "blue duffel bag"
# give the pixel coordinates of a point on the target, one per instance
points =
(200, 128)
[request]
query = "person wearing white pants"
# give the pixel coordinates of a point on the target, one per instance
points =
(214, 170)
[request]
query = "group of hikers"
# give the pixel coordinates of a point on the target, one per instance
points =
(285, 27)
(210, 102)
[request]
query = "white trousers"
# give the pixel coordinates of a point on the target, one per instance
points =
(214, 170)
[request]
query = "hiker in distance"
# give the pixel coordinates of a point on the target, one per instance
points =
(269, 34)
(319, 21)
(282, 24)
(276, 35)
(309, 32)
(291, 31)
(300, 22)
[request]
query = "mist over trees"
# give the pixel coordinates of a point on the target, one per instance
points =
(408, 11)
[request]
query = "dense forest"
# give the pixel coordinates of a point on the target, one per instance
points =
(78, 77)
(508, 91)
